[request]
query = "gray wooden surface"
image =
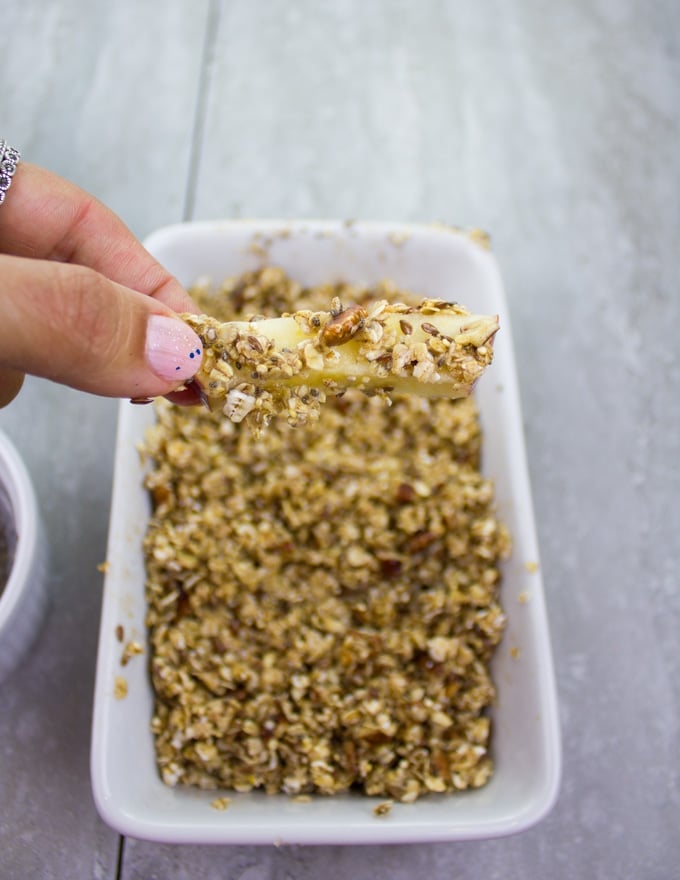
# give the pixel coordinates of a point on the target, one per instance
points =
(553, 126)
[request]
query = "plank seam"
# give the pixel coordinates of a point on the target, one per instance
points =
(208, 54)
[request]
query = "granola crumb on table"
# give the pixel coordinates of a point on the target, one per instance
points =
(323, 600)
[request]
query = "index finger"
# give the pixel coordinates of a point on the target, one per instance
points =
(46, 217)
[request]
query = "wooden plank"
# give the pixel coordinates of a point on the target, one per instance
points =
(383, 110)
(104, 94)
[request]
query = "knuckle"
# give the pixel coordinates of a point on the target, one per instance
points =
(85, 310)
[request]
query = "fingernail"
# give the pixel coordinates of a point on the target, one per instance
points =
(173, 350)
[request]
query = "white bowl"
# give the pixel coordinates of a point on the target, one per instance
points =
(24, 598)
(432, 261)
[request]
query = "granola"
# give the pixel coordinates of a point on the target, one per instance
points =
(323, 601)
(288, 365)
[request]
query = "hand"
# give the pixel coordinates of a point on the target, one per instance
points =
(82, 302)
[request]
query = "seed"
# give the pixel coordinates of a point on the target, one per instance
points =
(406, 328)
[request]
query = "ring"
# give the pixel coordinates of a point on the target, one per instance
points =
(9, 159)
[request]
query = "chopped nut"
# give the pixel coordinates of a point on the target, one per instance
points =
(405, 493)
(343, 326)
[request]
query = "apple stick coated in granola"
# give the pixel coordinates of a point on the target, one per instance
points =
(288, 365)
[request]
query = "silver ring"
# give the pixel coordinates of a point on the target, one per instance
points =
(9, 159)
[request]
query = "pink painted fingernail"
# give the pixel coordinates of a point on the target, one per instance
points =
(173, 350)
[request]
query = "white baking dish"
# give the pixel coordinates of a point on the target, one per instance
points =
(23, 598)
(428, 260)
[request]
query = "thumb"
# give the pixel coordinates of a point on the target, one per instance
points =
(70, 324)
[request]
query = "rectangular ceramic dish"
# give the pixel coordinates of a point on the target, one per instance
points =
(427, 260)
